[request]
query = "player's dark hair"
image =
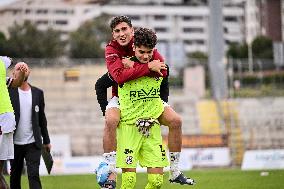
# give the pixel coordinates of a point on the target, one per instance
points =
(145, 37)
(118, 19)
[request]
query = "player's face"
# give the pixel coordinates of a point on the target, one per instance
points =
(143, 54)
(122, 33)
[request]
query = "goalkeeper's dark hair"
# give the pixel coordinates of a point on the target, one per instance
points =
(118, 19)
(145, 37)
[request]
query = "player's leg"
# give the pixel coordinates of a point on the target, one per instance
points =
(6, 153)
(153, 156)
(109, 139)
(129, 142)
(128, 180)
(155, 178)
(3, 183)
(171, 119)
(112, 117)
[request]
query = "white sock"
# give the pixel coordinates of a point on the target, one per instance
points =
(174, 164)
(110, 159)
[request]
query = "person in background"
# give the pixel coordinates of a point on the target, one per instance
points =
(7, 117)
(31, 134)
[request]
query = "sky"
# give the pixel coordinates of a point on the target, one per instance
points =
(4, 2)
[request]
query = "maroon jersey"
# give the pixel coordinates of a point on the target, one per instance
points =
(113, 57)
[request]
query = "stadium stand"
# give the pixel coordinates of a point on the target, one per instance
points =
(72, 108)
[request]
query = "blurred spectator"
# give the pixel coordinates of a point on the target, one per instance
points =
(31, 133)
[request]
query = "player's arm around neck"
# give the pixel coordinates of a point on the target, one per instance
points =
(117, 70)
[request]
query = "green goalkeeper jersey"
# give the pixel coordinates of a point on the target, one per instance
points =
(140, 98)
(5, 103)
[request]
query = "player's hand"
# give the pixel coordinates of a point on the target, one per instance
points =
(127, 63)
(157, 66)
(47, 147)
(22, 67)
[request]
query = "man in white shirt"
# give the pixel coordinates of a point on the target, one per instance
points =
(7, 118)
(31, 134)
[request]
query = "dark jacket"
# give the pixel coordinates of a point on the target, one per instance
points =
(39, 123)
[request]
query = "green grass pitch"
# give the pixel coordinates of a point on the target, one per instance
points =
(206, 179)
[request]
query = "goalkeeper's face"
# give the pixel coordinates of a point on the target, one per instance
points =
(143, 54)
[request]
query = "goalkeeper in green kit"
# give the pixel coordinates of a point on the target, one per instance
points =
(139, 137)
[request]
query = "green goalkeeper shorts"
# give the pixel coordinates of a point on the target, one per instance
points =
(133, 147)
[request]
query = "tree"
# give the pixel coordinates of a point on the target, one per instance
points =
(26, 41)
(262, 47)
(88, 40)
(53, 45)
(198, 55)
(2, 37)
(3, 41)
(238, 50)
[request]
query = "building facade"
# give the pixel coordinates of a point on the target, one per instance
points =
(271, 16)
(186, 23)
(60, 15)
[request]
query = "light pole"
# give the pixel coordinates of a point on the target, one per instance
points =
(216, 51)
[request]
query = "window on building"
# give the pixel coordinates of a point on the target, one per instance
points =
(41, 22)
(192, 18)
(199, 42)
(231, 18)
(193, 30)
(134, 17)
(17, 12)
(194, 42)
(61, 11)
(227, 42)
(226, 30)
(187, 42)
(28, 11)
(42, 11)
(61, 22)
(160, 30)
(160, 17)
